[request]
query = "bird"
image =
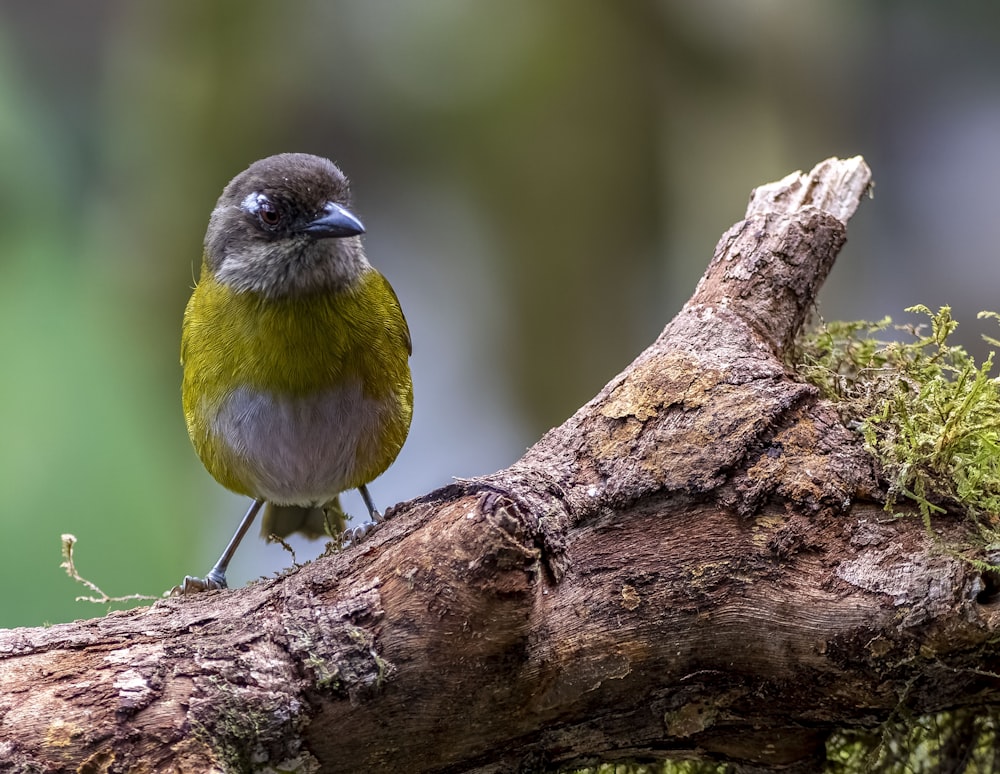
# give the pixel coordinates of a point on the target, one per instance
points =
(295, 353)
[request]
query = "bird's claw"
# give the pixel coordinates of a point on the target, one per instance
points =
(354, 535)
(193, 585)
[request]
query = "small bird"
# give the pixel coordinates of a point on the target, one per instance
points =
(295, 353)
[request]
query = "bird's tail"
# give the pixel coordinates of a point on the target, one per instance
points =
(283, 520)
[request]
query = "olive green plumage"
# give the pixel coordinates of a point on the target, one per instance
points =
(295, 350)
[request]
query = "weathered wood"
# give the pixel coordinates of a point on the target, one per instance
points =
(695, 563)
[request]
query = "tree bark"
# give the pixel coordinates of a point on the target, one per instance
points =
(696, 564)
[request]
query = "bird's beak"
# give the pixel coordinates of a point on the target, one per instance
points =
(335, 222)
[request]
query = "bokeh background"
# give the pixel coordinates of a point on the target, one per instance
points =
(542, 182)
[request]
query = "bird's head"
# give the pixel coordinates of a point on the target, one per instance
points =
(283, 227)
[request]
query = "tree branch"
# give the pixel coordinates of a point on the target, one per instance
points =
(695, 563)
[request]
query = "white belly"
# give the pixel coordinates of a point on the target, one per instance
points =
(299, 451)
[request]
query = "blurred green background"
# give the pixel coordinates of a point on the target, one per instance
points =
(542, 182)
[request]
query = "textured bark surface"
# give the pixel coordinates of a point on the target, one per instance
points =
(696, 562)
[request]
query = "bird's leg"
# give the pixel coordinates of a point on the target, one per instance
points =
(370, 504)
(216, 578)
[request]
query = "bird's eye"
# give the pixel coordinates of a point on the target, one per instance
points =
(268, 215)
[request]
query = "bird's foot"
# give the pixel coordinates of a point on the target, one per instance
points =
(354, 535)
(192, 585)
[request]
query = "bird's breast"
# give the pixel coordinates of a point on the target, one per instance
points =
(303, 449)
(294, 400)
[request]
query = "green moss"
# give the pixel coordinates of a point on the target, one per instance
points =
(958, 741)
(929, 413)
(666, 767)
